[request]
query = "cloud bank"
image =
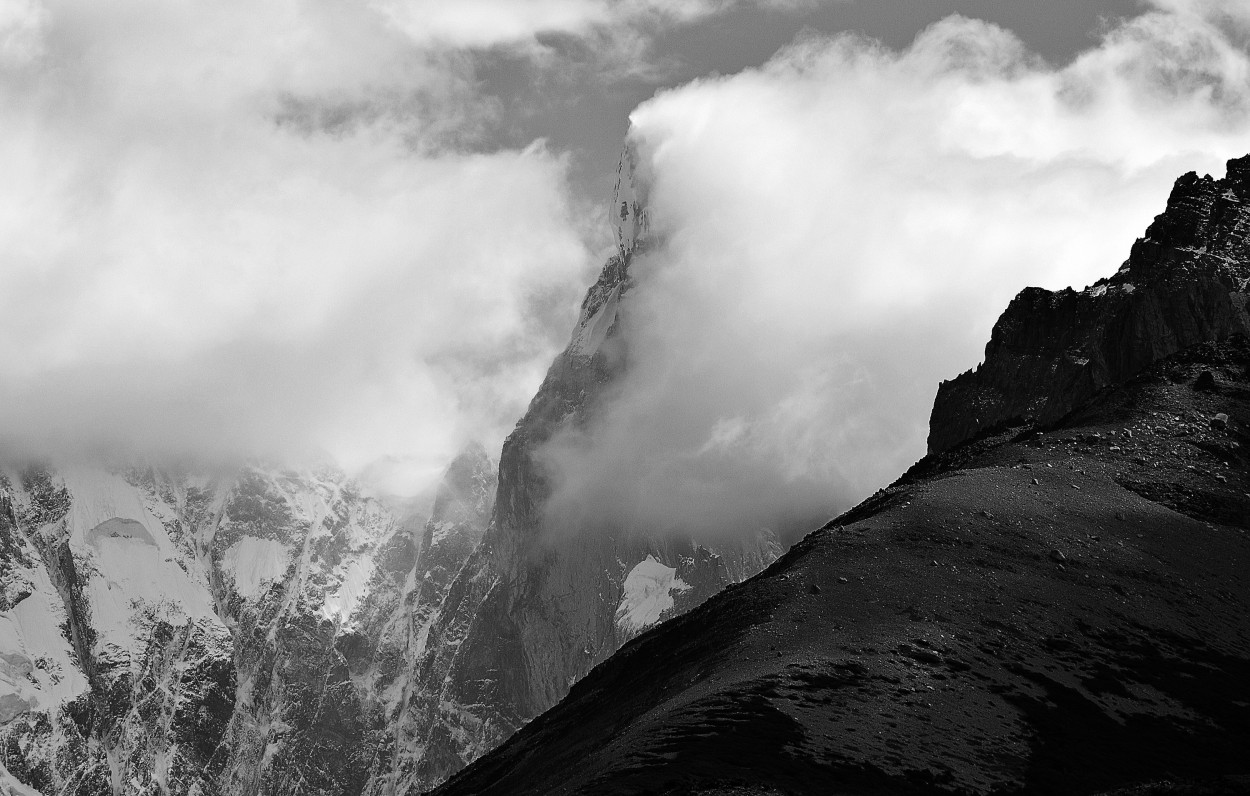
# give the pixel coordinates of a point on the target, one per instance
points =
(236, 228)
(228, 227)
(839, 230)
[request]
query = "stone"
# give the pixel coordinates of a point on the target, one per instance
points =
(1185, 283)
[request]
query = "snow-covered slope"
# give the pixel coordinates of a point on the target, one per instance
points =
(225, 633)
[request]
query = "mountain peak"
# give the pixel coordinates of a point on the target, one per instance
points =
(1186, 282)
(628, 214)
(1238, 172)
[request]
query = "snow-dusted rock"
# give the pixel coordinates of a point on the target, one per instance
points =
(230, 633)
(628, 214)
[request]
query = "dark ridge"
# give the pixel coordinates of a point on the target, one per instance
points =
(1185, 283)
(1056, 600)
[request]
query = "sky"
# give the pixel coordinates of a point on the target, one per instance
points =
(364, 228)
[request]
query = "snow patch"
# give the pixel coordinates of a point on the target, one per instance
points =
(133, 582)
(100, 497)
(647, 594)
(355, 574)
(441, 531)
(254, 563)
(131, 566)
(37, 665)
(592, 331)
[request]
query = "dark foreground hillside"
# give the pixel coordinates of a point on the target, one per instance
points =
(1058, 613)
(1058, 609)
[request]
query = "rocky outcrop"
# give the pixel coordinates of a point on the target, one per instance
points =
(536, 606)
(1186, 282)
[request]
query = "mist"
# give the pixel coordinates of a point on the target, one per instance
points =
(228, 229)
(291, 230)
(837, 231)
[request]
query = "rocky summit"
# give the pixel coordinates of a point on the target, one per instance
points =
(1184, 283)
(1056, 600)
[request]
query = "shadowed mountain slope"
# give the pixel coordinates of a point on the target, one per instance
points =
(1060, 605)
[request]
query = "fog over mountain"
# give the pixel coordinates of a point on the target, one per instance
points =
(359, 414)
(229, 229)
(838, 228)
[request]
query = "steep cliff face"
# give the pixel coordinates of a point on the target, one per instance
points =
(462, 509)
(234, 633)
(1186, 282)
(537, 607)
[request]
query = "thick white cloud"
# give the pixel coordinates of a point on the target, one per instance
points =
(236, 226)
(229, 226)
(841, 228)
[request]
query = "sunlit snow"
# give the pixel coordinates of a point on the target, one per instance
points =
(591, 333)
(647, 594)
(255, 563)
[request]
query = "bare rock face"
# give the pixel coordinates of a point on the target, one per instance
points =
(1186, 282)
(535, 608)
(462, 509)
(235, 632)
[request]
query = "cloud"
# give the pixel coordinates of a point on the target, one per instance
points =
(837, 232)
(486, 23)
(228, 227)
(611, 39)
(20, 24)
(232, 227)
